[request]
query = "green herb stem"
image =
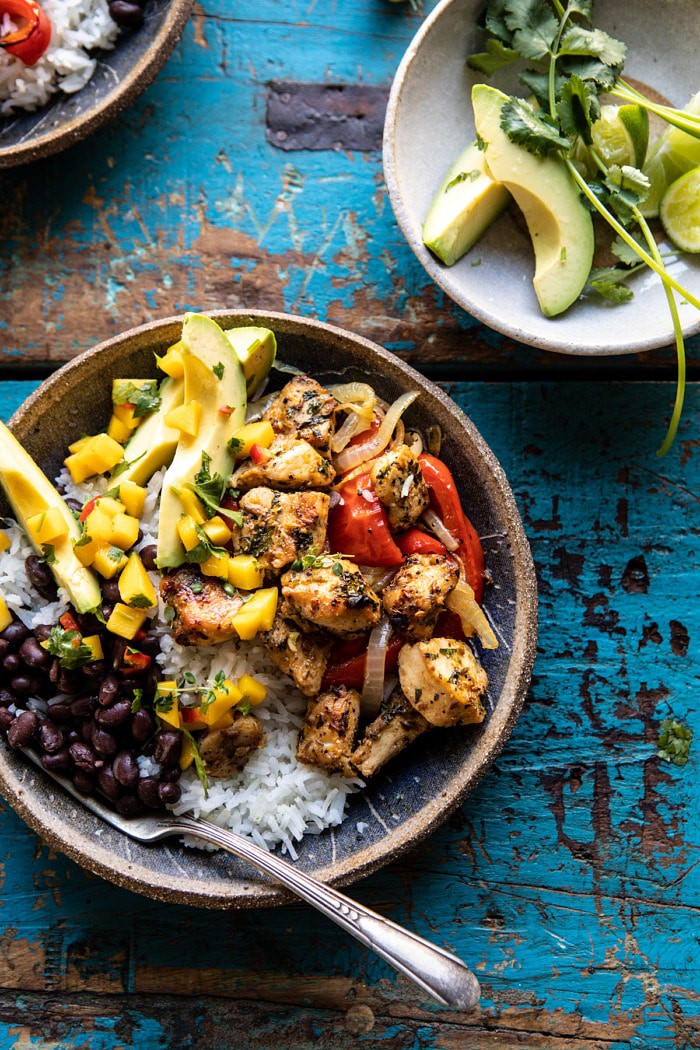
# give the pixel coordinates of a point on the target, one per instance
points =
(687, 122)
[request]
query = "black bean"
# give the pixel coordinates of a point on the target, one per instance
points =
(74, 504)
(168, 747)
(127, 685)
(108, 784)
(83, 782)
(55, 672)
(42, 632)
(118, 650)
(85, 758)
(7, 697)
(83, 707)
(58, 762)
(103, 742)
(25, 684)
(148, 792)
(70, 682)
(129, 806)
(125, 769)
(40, 577)
(59, 712)
(32, 653)
(15, 633)
(73, 736)
(143, 725)
(106, 610)
(148, 557)
(170, 775)
(50, 737)
(6, 719)
(85, 730)
(12, 663)
(169, 793)
(23, 729)
(150, 645)
(4, 647)
(115, 715)
(109, 688)
(94, 670)
(110, 591)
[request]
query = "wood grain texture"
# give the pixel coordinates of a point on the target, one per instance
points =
(570, 878)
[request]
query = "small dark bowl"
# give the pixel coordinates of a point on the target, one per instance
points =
(120, 77)
(420, 788)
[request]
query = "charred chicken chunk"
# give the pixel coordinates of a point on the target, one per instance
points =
(305, 410)
(225, 751)
(332, 595)
(330, 726)
(203, 610)
(301, 655)
(396, 726)
(289, 463)
(444, 681)
(399, 484)
(279, 527)
(414, 598)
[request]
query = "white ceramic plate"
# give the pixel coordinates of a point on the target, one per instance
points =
(429, 121)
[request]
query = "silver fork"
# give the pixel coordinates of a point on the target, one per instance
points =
(439, 973)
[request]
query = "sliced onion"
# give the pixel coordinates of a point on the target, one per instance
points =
(434, 523)
(377, 577)
(256, 409)
(358, 397)
(415, 442)
(407, 485)
(355, 455)
(474, 622)
(353, 424)
(373, 685)
(398, 435)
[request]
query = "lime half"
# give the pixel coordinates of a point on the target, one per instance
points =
(673, 153)
(621, 135)
(680, 211)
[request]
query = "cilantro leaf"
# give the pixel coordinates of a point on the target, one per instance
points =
(463, 176)
(578, 107)
(674, 742)
(145, 398)
(533, 25)
(124, 465)
(594, 43)
(495, 20)
(48, 553)
(69, 648)
(209, 487)
(531, 129)
(608, 282)
(235, 445)
(137, 701)
(622, 251)
(198, 761)
(496, 56)
(218, 370)
(205, 549)
(627, 187)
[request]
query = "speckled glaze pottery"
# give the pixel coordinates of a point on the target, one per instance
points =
(429, 121)
(120, 77)
(417, 792)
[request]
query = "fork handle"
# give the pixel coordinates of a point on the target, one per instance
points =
(437, 972)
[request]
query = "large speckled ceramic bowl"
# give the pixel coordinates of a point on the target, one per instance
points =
(420, 788)
(120, 77)
(429, 121)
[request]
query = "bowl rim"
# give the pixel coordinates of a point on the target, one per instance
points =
(207, 893)
(438, 273)
(139, 77)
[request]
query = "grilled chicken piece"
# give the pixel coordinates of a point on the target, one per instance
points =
(399, 484)
(303, 409)
(225, 751)
(414, 598)
(202, 615)
(329, 730)
(279, 526)
(396, 726)
(292, 464)
(333, 595)
(301, 655)
(444, 681)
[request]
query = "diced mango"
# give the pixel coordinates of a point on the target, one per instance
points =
(125, 414)
(192, 505)
(224, 722)
(85, 552)
(47, 526)
(133, 497)
(110, 506)
(215, 565)
(187, 754)
(171, 716)
(171, 362)
(257, 614)
(191, 718)
(4, 541)
(80, 443)
(118, 430)
(226, 698)
(94, 644)
(169, 713)
(98, 524)
(125, 622)
(245, 573)
(108, 561)
(253, 691)
(5, 614)
(135, 585)
(125, 531)
(252, 434)
(217, 530)
(186, 418)
(187, 531)
(103, 453)
(78, 467)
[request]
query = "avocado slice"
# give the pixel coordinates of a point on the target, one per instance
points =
(153, 443)
(214, 377)
(29, 492)
(256, 349)
(466, 203)
(560, 225)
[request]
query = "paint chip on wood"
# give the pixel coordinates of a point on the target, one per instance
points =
(325, 116)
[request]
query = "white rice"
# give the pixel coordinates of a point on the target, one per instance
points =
(274, 800)
(78, 28)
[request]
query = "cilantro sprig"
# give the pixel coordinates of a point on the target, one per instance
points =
(145, 398)
(68, 646)
(570, 63)
(210, 489)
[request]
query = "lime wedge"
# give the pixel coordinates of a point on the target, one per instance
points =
(680, 211)
(673, 153)
(621, 135)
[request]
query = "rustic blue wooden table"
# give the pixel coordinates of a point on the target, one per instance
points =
(571, 879)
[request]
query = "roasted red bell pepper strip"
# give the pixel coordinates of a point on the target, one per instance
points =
(135, 660)
(90, 505)
(449, 625)
(33, 34)
(358, 525)
(351, 673)
(445, 501)
(415, 541)
(69, 623)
